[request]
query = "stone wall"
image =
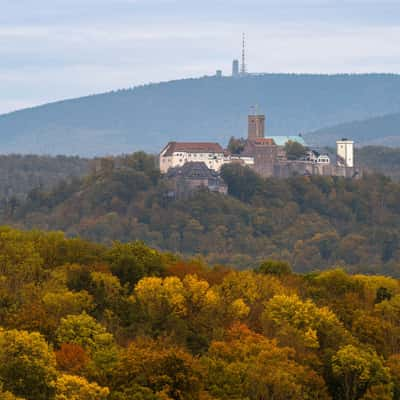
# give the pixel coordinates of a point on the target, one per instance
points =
(287, 169)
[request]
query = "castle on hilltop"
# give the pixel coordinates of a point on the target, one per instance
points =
(270, 156)
(285, 156)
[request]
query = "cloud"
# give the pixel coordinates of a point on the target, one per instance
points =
(57, 49)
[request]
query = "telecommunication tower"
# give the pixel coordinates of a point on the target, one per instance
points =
(243, 70)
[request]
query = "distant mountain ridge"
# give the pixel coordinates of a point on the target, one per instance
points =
(383, 130)
(207, 109)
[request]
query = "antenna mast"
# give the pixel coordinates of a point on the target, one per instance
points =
(243, 70)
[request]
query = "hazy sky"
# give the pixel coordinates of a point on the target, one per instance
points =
(56, 49)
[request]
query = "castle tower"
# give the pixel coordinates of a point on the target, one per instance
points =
(256, 127)
(345, 153)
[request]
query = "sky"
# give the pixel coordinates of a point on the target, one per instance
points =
(56, 49)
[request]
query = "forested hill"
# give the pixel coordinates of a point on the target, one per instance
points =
(144, 118)
(313, 223)
(384, 160)
(383, 130)
(22, 173)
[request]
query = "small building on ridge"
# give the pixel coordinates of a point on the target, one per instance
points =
(176, 154)
(192, 176)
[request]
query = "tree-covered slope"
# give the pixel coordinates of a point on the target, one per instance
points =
(22, 173)
(385, 160)
(83, 321)
(312, 222)
(144, 118)
(383, 130)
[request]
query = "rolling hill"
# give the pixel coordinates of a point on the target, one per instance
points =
(207, 108)
(383, 130)
(312, 222)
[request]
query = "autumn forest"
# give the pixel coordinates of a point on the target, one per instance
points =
(82, 320)
(284, 289)
(311, 222)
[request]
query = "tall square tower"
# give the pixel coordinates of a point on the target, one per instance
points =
(256, 127)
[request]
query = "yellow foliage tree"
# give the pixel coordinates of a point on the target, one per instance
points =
(301, 323)
(27, 365)
(166, 369)
(70, 387)
(247, 365)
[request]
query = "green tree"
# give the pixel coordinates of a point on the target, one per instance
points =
(294, 150)
(143, 162)
(85, 331)
(274, 267)
(132, 261)
(136, 392)
(20, 262)
(358, 371)
(4, 395)
(243, 182)
(382, 294)
(107, 292)
(393, 363)
(236, 146)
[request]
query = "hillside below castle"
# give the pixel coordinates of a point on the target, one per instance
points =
(310, 221)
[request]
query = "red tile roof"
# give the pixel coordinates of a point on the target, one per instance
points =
(264, 141)
(192, 147)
